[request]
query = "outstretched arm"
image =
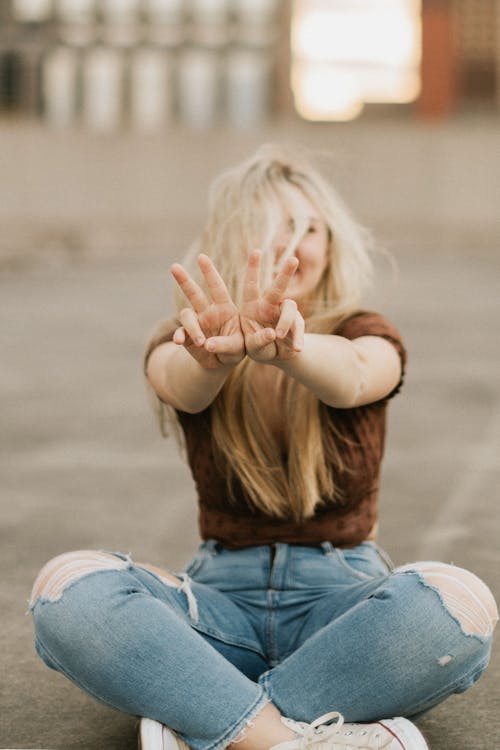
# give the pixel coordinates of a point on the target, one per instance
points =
(179, 380)
(189, 371)
(340, 372)
(344, 373)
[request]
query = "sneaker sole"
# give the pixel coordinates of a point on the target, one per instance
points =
(155, 736)
(407, 734)
(150, 735)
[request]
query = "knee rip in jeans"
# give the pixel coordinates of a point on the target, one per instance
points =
(64, 570)
(465, 596)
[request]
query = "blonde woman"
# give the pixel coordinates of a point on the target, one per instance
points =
(289, 629)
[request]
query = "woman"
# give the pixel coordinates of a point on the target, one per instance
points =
(290, 626)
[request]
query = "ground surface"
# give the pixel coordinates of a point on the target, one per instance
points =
(82, 464)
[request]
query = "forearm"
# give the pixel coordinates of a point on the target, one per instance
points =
(181, 381)
(329, 366)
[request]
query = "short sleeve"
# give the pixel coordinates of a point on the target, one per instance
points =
(162, 332)
(368, 323)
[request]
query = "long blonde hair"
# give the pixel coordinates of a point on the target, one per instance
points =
(246, 205)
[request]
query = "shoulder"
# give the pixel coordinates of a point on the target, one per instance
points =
(363, 323)
(366, 323)
(370, 323)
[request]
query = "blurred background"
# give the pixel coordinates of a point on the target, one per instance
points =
(114, 118)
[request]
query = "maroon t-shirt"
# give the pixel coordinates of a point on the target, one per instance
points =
(345, 522)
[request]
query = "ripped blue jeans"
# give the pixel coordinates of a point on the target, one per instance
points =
(312, 629)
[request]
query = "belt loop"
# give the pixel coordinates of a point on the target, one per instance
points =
(327, 548)
(212, 546)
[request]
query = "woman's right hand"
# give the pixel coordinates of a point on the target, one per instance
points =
(210, 329)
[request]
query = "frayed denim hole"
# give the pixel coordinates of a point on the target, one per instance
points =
(483, 639)
(39, 601)
(125, 557)
(42, 600)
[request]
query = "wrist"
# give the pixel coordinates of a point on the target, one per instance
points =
(287, 364)
(215, 367)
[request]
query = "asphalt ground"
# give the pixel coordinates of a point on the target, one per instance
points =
(83, 465)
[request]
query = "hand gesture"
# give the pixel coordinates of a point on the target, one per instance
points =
(210, 329)
(272, 325)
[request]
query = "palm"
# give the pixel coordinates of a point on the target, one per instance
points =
(263, 314)
(210, 330)
(220, 320)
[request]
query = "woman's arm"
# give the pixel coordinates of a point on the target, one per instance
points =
(189, 371)
(344, 373)
(341, 372)
(179, 380)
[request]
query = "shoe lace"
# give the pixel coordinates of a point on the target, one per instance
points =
(318, 730)
(321, 730)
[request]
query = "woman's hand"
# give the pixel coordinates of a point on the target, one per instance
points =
(210, 329)
(272, 325)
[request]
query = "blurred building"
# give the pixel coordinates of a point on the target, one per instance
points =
(141, 63)
(149, 64)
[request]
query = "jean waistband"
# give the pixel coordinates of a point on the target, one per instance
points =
(213, 545)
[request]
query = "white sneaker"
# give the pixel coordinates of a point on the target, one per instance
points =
(156, 736)
(389, 734)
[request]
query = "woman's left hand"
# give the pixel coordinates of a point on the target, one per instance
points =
(271, 323)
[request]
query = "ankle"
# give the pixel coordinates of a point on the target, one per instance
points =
(263, 732)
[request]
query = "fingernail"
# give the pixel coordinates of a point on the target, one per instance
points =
(211, 345)
(280, 333)
(199, 341)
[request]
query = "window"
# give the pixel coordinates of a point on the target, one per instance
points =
(346, 53)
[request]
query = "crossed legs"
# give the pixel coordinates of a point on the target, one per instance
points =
(459, 594)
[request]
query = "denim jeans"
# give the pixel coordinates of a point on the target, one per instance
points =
(312, 629)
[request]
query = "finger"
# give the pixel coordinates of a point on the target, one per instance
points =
(298, 328)
(218, 290)
(287, 317)
(275, 293)
(260, 339)
(191, 324)
(225, 344)
(179, 336)
(251, 289)
(191, 289)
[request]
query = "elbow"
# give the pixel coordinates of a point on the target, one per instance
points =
(191, 408)
(347, 400)
(352, 391)
(189, 403)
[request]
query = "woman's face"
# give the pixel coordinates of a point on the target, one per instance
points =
(311, 250)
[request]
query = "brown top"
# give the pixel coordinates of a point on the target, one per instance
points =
(237, 523)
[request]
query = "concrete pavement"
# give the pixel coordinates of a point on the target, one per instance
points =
(83, 465)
